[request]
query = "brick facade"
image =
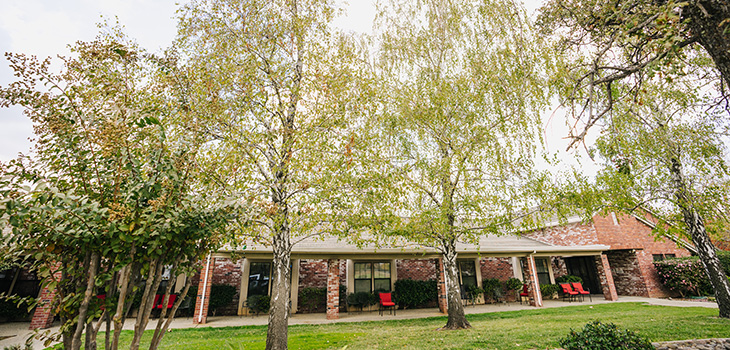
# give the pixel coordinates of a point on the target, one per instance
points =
(443, 299)
(333, 289)
(204, 285)
(567, 235)
(499, 268)
(417, 269)
(627, 275)
(43, 314)
(606, 277)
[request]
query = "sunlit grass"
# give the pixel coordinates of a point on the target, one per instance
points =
(525, 329)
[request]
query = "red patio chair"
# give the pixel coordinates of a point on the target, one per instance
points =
(579, 288)
(568, 293)
(386, 302)
(524, 295)
(170, 301)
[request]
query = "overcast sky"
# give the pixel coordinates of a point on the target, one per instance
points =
(46, 28)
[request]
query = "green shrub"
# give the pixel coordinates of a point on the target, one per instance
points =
(568, 279)
(414, 294)
(313, 299)
(724, 257)
(685, 276)
(513, 284)
(259, 303)
(490, 284)
(548, 290)
(221, 295)
(11, 310)
(604, 336)
(361, 299)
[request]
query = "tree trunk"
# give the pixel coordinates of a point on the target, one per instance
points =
(119, 314)
(705, 249)
(708, 24)
(277, 335)
(148, 298)
(456, 317)
(84, 308)
(156, 341)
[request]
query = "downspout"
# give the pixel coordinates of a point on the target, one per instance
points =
(535, 281)
(205, 287)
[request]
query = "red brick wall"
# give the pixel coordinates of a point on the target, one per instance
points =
(228, 272)
(627, 275)
(499, 268)
(312, 273)
(566, 235)
(630, 233)
(558, 265)
(417, 269)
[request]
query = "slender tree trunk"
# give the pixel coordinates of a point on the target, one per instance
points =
(84, 308)
(705, 249)
(456, 317)
(119, 315)
(277, 335)
(156, 341)
(163, 312)
(145, 308)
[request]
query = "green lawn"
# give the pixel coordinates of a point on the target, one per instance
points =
(527, 329)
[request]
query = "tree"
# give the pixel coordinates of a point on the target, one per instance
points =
(267, 83)
(462, 87)
(665, 153)
(627, 40)
(106, 200)
(613, 49)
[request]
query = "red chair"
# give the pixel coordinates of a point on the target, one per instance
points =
(579, 288)
(170, 301)
(386, 302)
(568, 292)
(524, 295)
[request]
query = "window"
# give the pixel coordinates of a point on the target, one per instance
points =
(467, 273)
(660, 257)
(372, 276)
(543, 270)
(258, 278)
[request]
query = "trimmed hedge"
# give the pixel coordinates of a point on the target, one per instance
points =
(415, 294)
(313, 299)
(548, 290)
(568, 279)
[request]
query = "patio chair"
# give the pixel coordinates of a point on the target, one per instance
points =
(386, 302)
(579, 288)
(524, 295)
(568, 293)
(498, 296)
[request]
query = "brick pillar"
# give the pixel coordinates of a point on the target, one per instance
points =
(203, 299)
(43, 314)
(533, 282)
(606, 277)
(443, 299)
(333, 289)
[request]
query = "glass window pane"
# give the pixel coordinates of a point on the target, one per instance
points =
(382, 284)
(363, 270)
(382, 270)
(362, 285)
(467, 269)
(468, 281)
(541, 265)
(258, 278)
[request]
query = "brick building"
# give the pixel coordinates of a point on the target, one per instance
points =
(613, 254)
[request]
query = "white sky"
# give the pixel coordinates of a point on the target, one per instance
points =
(46, 28)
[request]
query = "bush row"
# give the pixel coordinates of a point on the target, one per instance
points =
(687, 276)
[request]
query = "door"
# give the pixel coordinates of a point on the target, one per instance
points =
(585, 268)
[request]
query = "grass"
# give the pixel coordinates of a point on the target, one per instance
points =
(526, 329)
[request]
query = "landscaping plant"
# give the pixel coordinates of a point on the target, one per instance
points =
(604, 336)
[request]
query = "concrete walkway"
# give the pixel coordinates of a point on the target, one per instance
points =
(18, 331)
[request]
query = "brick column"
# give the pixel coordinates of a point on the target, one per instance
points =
(203, 298)
(333, 289)
(43, 314)
(443, 299)
(533, 282)
(606, 277)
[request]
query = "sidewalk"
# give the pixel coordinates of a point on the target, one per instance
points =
(19, 330)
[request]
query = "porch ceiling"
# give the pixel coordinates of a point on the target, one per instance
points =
(488, 246)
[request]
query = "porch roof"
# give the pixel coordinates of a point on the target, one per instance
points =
(328, 247)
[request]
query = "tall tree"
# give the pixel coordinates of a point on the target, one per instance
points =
(616, 51)
(462, 91)
(267, 82)
(666, 152)
(106, 199)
